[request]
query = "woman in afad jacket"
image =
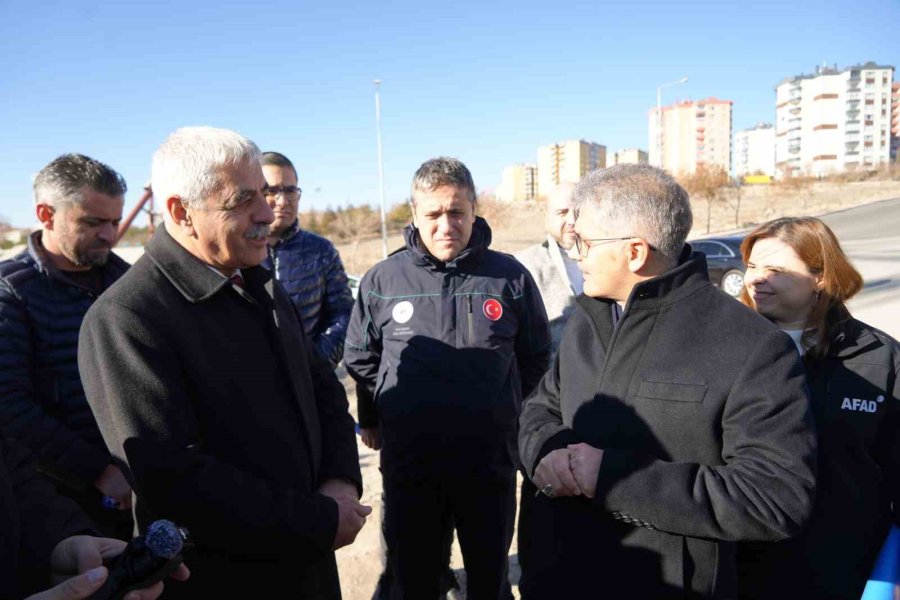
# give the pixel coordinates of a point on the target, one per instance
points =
(799, 277)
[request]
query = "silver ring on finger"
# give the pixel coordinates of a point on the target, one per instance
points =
(547, 490)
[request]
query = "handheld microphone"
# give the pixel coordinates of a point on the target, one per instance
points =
(145, 560)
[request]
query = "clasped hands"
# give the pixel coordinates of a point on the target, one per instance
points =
(569, 471)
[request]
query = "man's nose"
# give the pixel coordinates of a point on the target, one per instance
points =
(108, 233)
(263, 212)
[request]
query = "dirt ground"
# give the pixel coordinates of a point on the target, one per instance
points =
(514, 228)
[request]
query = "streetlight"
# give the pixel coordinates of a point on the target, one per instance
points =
(659, 158)
(384, 248)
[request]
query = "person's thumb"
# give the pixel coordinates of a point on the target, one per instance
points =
(75, 588)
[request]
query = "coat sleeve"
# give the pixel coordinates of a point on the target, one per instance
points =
(888, 451)
(60, 451)
(363, 355)
(541, 428)
(340, 458)
(337, 302)
(532, 338)
(763, 492)
(135, 385)
(45, 517)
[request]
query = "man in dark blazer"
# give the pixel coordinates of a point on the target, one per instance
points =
(209, 394)
(673, 423)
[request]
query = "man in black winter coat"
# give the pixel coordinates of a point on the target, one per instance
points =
(209, 394)
(44, 294)
(445, 340)
(674, 421)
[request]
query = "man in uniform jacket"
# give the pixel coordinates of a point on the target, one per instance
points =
(446, 339)
(306, 264)
(44, 294)
(555, 273)
(674, 421)
(209, 394)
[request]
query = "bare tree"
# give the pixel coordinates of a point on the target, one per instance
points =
(707, 182)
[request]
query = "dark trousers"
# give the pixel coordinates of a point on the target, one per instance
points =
(418, 511)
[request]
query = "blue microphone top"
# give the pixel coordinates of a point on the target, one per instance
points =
(163, 539)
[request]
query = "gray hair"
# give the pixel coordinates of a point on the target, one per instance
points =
(639, 200)
(64, 181)
(441, 171)
(188, 162)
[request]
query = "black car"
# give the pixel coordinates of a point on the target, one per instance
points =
(723, 256)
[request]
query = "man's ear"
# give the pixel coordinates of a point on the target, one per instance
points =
(638, 254)
(45, 215)
(178, 213)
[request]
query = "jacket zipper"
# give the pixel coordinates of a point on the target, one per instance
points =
(469, 306)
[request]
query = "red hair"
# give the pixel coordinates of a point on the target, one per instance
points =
(819, 249)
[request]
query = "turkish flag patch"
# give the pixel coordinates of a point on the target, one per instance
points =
(493, 310)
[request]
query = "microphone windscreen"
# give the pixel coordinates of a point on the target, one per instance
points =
(163, 539)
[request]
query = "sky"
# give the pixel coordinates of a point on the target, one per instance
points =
(486, 82)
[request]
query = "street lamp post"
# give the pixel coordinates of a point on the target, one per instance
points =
(384, 248)
(659, 158)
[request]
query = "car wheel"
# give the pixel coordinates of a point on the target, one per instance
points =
(733, 283)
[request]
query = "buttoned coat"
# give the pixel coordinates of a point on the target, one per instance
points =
(700, 407)
(225, 421)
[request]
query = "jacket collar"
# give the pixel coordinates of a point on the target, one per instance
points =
(190, 276)
(478, 243)
(114, 265)
(290, 232)
(853, 337)
(685, 279)
(558, 260)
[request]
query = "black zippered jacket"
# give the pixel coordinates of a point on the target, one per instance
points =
(856, 405)
(701, 409)
(444, 353)
(42, 402)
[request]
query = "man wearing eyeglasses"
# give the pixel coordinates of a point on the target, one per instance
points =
(673, 423)
(306, 264)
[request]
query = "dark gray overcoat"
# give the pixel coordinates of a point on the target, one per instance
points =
(224, 420)
(701, 409)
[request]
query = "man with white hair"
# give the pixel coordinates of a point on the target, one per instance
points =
(211, 397)
(674, 421)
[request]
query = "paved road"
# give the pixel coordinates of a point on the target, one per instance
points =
(870, 235)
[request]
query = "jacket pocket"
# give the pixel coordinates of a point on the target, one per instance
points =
(674, 392)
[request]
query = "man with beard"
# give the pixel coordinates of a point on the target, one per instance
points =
(44, 294)
(210, 395)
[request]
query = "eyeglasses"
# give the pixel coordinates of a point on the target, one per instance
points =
(584, 247)
(288, 191)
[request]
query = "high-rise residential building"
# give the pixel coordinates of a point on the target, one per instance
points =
(833, 120)
(567, 161)
(519, 182)
(754, 151)
(629, 156)
(691, 134)
(895, 122)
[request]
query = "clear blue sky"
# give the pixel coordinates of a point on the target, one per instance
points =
(487, 82)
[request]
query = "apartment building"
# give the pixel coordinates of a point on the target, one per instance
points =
(518, 183)
(833, 120)
(567, 161)
(691, 134)
(754, 151)
(629, 156)
(895, 122)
